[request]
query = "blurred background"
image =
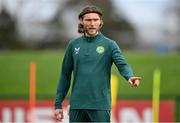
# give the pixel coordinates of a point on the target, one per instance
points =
(48, 24)
(147, 31)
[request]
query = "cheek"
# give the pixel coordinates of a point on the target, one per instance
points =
(86, 24)
(98, 25)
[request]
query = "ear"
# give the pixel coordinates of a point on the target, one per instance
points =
(81, 21)
(101, 24)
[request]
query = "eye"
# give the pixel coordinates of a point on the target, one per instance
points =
(95, 19)
(88, 20)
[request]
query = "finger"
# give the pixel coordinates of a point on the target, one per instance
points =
(62, 116)
(138, 78)
(135, 85)
(59, 119)
(55, 116)
(56, 113)
(58, 116)
(130, 82)
(136, 82)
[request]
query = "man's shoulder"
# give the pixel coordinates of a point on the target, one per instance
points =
(108, 40)
(76, 40)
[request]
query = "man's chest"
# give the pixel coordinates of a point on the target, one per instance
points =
(90, 51)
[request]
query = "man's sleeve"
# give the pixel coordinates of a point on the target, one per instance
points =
(65, 78)
(120, 62)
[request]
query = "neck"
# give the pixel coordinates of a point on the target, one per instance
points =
(91, 35)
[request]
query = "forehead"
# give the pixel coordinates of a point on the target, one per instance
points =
(91, 16)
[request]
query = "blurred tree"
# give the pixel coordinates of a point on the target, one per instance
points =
(55, 32)
(115, 26)
(172, 15)
(8, 37)
(177, 12)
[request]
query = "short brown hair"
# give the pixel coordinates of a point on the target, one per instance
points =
(86, 10)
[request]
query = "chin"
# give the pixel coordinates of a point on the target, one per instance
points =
(92, 33)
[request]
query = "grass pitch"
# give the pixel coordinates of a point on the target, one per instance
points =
(14, 74)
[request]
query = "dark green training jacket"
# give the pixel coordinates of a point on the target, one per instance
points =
(90, 59)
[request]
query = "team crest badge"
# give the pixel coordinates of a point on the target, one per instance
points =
(100, 49)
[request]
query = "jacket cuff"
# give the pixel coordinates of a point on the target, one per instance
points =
(58, 106)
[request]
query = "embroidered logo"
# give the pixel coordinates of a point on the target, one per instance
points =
(100, 49)
(77, 50)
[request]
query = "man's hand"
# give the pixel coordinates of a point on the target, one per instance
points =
(59, 115)
(134, 81)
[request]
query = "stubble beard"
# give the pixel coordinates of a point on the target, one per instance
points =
(92, 34)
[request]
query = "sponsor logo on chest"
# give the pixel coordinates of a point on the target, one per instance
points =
(76, 50)
(99, 50)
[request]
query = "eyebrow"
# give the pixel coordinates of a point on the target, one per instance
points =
(88, 19)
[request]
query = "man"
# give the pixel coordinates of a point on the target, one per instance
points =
(90, 57)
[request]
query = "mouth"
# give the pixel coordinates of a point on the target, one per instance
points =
(92, 29)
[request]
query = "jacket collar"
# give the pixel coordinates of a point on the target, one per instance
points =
(90, 38)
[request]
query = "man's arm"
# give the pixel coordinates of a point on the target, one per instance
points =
(122, 65)
(64, 82)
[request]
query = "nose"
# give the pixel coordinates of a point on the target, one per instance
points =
(92, 22)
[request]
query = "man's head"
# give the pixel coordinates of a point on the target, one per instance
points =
(90, 20)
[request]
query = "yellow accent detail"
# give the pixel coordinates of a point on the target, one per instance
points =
(114, 92)
(156, 93)
(114, 89)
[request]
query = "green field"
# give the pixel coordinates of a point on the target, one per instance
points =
(14, 74)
